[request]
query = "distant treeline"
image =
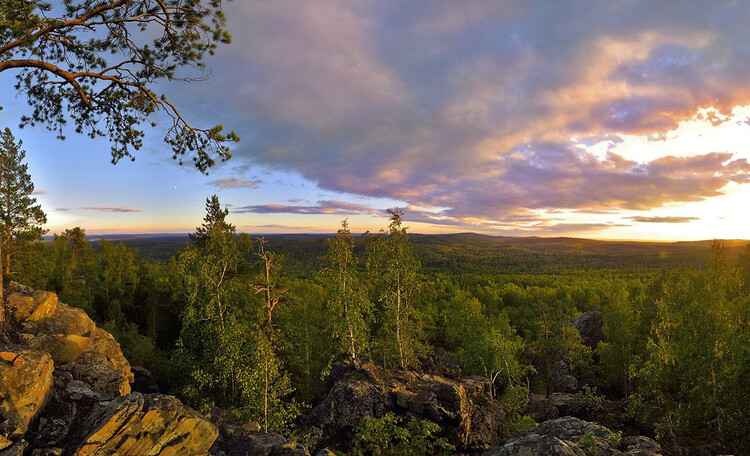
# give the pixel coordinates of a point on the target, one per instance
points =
(470, 252)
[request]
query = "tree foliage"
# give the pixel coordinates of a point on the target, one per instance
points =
(225, 352)
(392, 436)
(620, 351)
(348, 300)
(215, 219)
(393, 268)
(98, 63)
(693, 384)
(21, 218)
(73, 275)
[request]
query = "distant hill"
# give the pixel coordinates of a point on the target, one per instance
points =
(473, 252)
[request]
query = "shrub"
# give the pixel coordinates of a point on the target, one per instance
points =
(388, 436)
(587, 444)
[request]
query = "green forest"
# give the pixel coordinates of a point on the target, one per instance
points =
(567, 117)
(254, 324)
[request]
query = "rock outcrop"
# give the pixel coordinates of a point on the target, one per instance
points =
(69, 336)
(245, 439)
(65, 390)
(25, 388)
(589, 324)
(271, 444)
(561, 380)
(468, 416)
(607, 412)
(569, 436)
(139, 424)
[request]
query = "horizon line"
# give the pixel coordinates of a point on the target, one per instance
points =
(538, 236)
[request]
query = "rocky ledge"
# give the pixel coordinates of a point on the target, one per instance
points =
(469, 417)
(65, 389)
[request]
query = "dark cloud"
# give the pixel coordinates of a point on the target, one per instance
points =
(234, 182)
(470, 109)
(111, 209)
(664, 219)
(552, 176)
(322, 207)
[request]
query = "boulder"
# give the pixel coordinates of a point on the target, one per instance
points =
(143, 381)
(536, 445)
(103, 342)
(639, 445)
(5, 442)
(71, 337)
(25, 305)
(589, 324)
(96, 370)
(58, 419)
(64, 348)
(16, 449)
(567, 427)
(25, 388)
(561, 380)
(469, 417)
(440, 363)
(570, 436)
(139, 424)
(607, 412)
(78, 391)
(270, 444)
(68, 320)
(252, 427)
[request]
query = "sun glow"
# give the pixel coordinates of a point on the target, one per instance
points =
(722, 216)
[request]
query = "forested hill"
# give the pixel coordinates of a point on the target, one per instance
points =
(470, 252)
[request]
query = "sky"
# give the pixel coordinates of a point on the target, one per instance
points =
(611, 120)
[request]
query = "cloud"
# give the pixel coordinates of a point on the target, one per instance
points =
(233, 182)
(111, 209)
(322, 207)
(478, 108)
(40, 192)
(62, 209)
(664, 219)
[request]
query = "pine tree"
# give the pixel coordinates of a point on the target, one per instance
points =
(21, 219)
(73, 269)
(97, 64)
(215, 218)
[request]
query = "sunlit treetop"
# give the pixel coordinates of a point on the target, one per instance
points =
(97, 63)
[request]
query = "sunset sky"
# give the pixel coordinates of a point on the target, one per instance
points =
(607, 119)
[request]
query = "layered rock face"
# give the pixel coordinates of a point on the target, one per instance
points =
(25, 388)
(143, 425)
(470, 419)
(65, 390)
(70, 337)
